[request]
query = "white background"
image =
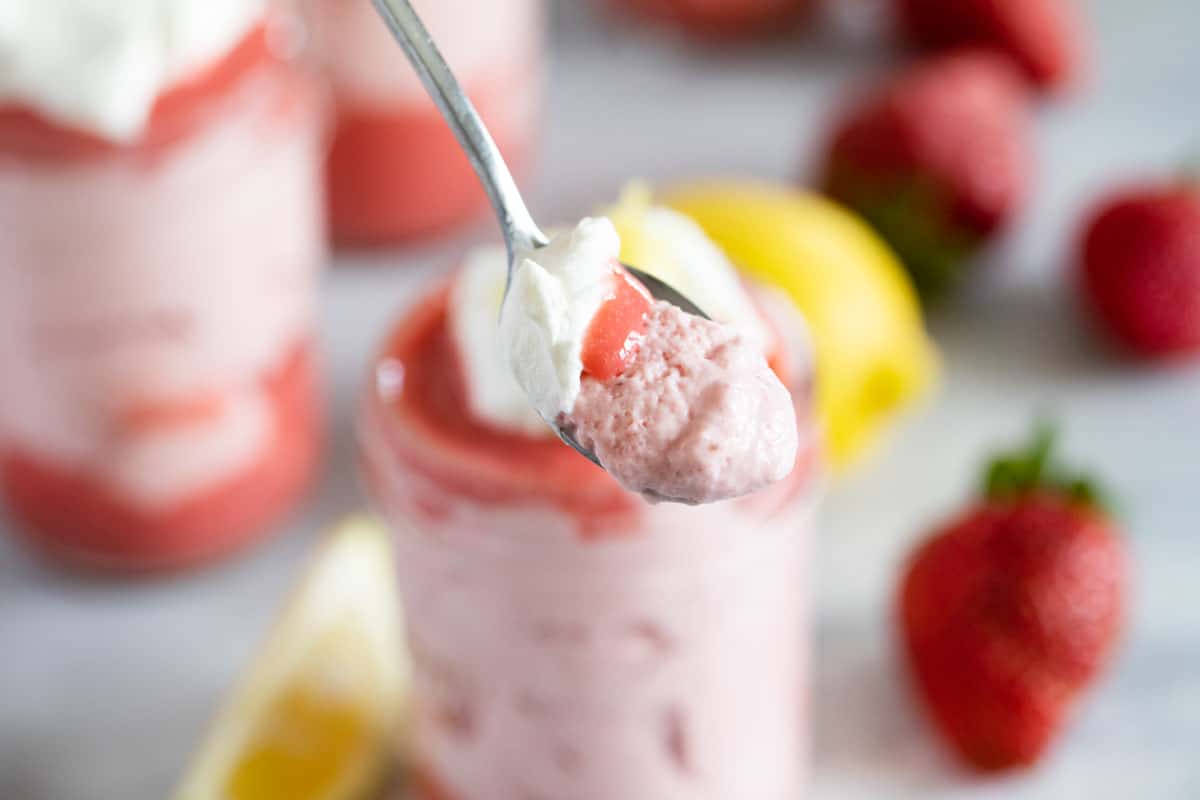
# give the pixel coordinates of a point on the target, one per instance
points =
(105, 686)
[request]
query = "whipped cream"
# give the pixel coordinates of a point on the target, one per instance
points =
(554, 296)
(492, 392)
(100, 65)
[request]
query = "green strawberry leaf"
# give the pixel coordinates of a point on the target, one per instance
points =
(1016, 474)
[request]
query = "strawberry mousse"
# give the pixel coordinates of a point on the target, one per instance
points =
(696, 416)
(395, 170)
(160, 236)
(571, 640)
(675, 406)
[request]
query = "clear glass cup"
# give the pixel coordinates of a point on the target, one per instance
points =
(161, 402)
(395, 170)
(569, 639)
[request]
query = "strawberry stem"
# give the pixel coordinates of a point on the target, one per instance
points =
(1018, 473)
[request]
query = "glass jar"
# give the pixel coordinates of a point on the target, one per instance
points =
(157, 298)
(569, 639)
(395, 170)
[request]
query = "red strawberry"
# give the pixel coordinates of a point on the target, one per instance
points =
(721, 18)
(938, 160)
(1045, 37)
(1010, 610)
(1140, 269)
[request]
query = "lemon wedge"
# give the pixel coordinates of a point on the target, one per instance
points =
(317, 715)
(874, 358)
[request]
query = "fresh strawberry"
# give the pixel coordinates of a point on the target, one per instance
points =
(1045, 37)
(721, 18)
(1140, 269)
(1010, 610)
(938, 160)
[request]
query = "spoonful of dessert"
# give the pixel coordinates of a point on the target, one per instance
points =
(623, 367)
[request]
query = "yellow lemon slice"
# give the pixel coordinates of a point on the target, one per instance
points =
(874, 357)
(317, 715)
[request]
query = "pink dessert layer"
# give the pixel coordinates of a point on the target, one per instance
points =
(696, 416)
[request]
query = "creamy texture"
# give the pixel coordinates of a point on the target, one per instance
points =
(697, 416)
(555, 293)
(100, 65)
(667, 664)
(187, 280)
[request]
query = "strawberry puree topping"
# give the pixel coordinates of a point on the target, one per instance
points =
(619, 325)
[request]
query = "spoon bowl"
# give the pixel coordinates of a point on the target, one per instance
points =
(661, 290)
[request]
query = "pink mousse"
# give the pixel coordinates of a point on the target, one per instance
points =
(696, 416)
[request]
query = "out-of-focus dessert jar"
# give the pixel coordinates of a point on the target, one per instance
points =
(161, 234)
(395, 171)
(569, 639)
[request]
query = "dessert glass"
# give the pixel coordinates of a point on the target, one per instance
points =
(569, 639)
(395, 170)
(161, 403)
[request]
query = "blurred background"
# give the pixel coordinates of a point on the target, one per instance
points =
(107, 685)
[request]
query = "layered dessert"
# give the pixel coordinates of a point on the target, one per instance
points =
(396, 171)
(570, 638)
(160, 236)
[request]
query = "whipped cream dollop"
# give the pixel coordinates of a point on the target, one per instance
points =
(100, 65)
(492, 392)
(555, 294)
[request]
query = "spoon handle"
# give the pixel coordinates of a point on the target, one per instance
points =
(519, 229)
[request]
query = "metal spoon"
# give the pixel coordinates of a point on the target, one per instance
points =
(521, 233)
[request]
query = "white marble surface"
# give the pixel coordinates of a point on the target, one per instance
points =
(105, 686)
